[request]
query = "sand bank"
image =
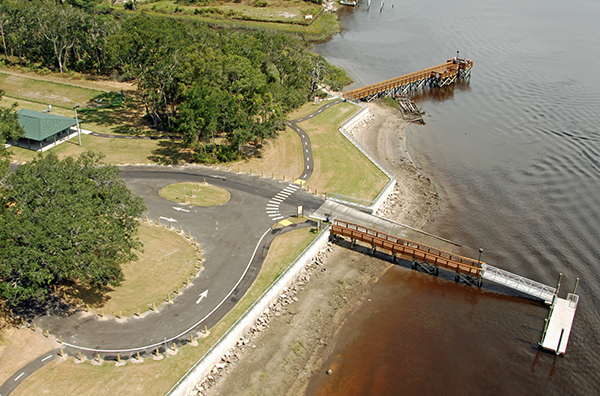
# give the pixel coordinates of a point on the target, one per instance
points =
(300, 333)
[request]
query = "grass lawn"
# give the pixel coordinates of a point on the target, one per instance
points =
(281, 156)
(276, 11)
(195, 194)
(157, 377)
(46, 92)
(323, 28)
(166, 256)
(117, 151)
(339, 166)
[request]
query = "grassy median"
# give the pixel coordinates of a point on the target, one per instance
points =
(196, 194)
(157, 377)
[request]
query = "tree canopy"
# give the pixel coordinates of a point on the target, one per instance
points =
(70, 219)
(192, 79)
(9, 129)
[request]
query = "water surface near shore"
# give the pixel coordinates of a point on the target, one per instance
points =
(515, 156)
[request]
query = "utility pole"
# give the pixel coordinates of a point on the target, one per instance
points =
(77, 121)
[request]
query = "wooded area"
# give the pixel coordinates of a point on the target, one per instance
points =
(201, 82)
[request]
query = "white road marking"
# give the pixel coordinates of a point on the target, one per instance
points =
(180, 209)
(277, 200)
(46, 358)
(305, 142)
(272, 205)
(20, 375)
(204, 294)
(307, 167)
(169, 219)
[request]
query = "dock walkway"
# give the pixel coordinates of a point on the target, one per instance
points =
(558, 324)
(436, 76)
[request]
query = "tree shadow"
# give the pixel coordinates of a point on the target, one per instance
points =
(170, 152)
(124, 118)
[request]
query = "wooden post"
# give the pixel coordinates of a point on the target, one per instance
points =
(62, 354)
(157, 354)
(98, 357)
(576, 284)
(169, 297)
(138, 355)
(146, 218)
(102, 311)
(205, 330)
(118, 358)
(178, 292)
(60, 337)
(189, 234)
(34, 327)
(205, 181)
(159, 221)
(87, 308)
(154, 307)
(188, 280)
(174, 347)
(47, 334)
(191, 338)
(80, 357)
(180, 229)
(120, 314)
(170, 226)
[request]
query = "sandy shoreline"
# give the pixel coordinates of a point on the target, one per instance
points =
(300, 333)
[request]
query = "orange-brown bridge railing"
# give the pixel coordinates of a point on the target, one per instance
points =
(437, 76)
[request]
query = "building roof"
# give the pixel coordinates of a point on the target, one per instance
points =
(39, 126)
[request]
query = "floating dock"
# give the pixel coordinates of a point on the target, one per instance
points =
(558, 323)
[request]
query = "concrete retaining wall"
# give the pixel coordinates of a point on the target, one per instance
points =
(203, 367)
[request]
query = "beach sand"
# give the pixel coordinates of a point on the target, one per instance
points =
(300, 333)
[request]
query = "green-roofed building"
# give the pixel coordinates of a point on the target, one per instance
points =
(43, 129)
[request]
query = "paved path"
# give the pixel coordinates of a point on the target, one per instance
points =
(27, 370)
(235, 238)
(306, 146)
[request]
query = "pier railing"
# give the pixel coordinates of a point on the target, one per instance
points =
(520, 283)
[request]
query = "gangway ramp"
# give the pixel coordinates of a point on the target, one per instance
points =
(519, 283)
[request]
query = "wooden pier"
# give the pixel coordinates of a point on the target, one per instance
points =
(437, 76)
(558, 324)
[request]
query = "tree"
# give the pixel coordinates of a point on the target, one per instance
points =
(70, 219)
(9, 129)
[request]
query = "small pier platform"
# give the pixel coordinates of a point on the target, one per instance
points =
(558, 323)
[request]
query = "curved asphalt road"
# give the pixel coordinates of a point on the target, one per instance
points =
(306, 146)
(235, 238)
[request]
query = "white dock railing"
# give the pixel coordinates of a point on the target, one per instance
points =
(516, 282)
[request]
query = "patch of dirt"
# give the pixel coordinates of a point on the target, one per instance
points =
(287, 345)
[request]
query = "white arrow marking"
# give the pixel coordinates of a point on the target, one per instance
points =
(203, 295)
(180, 209)
(169, 219)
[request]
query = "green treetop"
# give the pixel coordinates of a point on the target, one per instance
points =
(70, 219)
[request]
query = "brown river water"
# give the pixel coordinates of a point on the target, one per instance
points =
(515, 155)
